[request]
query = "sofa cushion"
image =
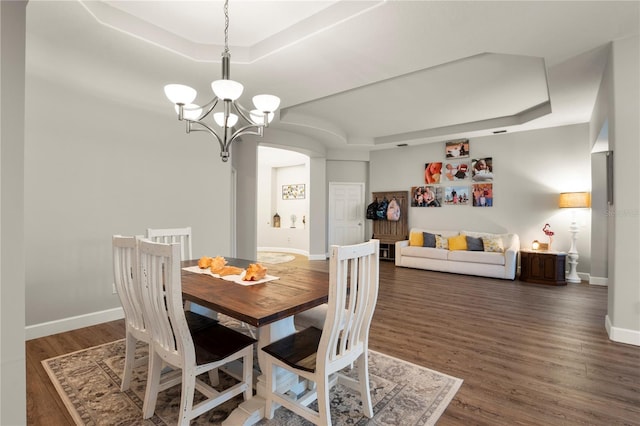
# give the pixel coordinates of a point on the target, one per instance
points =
(476, 257)
(416, 239)
(474, 244)
(493, 244)
(507, 240)
(429, 239)
(426, 252)
(442, 242)
(459, 242)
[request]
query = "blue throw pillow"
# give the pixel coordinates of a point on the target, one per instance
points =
(474, 244)
(429, 240)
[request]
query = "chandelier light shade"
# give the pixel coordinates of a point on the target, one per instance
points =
(226, 94)
(180, 94)
(266, 102)
(574, 200)
(227, 90)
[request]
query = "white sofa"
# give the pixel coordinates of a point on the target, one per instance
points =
(483, 263)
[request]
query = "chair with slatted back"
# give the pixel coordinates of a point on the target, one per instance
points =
(127, 286)
(174, 235)
(194, 352)
(319, 355)
(182, 236)
(125, 278)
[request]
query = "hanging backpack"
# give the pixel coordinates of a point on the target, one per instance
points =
(393, 211)
(381, 212)
(372, 209)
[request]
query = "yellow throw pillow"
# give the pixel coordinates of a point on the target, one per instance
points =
(442, 242)
(493, 244)
(458, 242)
(416, 239)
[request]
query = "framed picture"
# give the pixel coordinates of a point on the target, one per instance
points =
(293, 192)
(432, 172)
(456, 195)
(482, 169)
(458, 148)
(426, 196)
(482, 195)
(456, 170)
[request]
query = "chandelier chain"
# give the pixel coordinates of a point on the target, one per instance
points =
(226, 26)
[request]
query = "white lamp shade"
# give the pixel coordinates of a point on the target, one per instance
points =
(266, 103)
(190, 111)
(180, 94)
(219, 119)
(227, 89)
(258, 116)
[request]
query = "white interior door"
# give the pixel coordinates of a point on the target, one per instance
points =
(346, 213)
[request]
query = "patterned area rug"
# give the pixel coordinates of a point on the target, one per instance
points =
(88, 382)
(273, 258)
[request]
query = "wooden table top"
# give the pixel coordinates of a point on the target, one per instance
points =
(295, 291)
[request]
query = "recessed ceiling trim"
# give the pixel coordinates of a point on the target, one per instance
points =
(337, 14)
(512, 120)
(333, 16)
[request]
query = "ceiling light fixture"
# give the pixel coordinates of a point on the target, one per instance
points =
(227, 91)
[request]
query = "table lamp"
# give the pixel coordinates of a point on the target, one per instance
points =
(574, 200)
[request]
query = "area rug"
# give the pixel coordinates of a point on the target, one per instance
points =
(273, 258)
(88, 382)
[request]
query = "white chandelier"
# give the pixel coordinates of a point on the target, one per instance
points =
(227, 91)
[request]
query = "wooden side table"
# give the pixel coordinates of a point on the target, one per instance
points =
(543, 267)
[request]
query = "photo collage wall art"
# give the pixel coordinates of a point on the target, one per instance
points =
(459, 180)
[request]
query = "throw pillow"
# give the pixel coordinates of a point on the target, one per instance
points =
(474, 244)
(429, 239)
(442, 242)
(458, 242)
(416, 239)
(493, 244)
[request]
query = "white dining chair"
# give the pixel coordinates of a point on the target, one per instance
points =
(173, 235)
(182, 236)
(125, 273)
(125, 278)
(319, 355)
(194, 352)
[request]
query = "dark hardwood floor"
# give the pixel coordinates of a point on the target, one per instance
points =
(529, 354)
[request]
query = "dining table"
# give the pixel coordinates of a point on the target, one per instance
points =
(269, 306)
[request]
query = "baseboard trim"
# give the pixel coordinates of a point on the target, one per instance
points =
(284, 250)
(598, 281)
(622, 335)
(318, 257)
(67, 324)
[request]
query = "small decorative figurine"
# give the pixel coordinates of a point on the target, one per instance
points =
(276, 220)
(549, 233)
(293, 220)
(304, 221)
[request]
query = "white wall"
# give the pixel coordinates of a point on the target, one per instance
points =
(531, 169)
(244, 157)
(12, 256)
(623, 318)
(94, 168)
